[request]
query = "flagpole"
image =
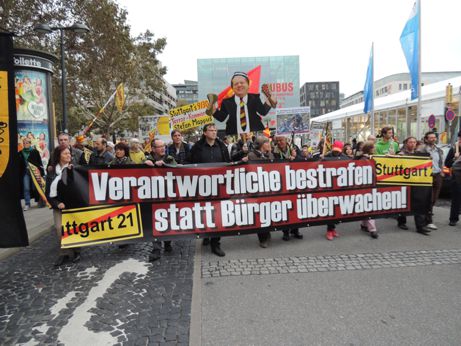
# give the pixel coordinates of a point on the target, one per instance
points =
(372, 115)
(418, 111)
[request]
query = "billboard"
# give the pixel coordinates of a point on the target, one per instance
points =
(31, 95)
(281, 73)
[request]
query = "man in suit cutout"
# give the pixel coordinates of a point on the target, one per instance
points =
(243, 110)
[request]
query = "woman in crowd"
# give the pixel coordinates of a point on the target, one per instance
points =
(262, 152)
(122, 155)
(54, 193)
(28, 155)
(368, 225)
(136, 154)
(347, 150)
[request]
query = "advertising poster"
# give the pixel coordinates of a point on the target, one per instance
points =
(32, 110)
(293, 120)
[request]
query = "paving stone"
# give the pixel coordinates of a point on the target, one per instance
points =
(134, 305)
(371, 261)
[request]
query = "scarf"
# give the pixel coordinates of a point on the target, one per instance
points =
(54, 185)
(26, 153)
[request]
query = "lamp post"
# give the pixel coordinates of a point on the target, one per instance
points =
(46, 29)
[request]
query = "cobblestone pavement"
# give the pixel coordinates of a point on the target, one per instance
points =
(112, 296)
(302, 264)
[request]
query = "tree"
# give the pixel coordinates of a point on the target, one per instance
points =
(97, 62)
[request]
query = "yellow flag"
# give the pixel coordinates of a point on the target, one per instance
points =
(120, 97)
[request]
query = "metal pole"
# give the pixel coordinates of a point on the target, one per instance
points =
(418, 110)
(63, 84)
(372, 118)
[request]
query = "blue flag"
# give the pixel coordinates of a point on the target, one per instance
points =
(368, 88)
(409, 39)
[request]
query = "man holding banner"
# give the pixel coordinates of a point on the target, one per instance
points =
(243, 111)
(210, 149)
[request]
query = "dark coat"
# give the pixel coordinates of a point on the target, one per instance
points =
(255, 109)
(183, 154)
(197, 153)
(103, 158)
(34, 158)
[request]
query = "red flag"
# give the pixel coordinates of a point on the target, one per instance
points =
(254, 76)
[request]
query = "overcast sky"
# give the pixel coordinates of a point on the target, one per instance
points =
(332, 38)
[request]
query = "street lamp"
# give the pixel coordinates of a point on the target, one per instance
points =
(78, 28)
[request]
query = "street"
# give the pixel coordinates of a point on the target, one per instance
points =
(402, 288)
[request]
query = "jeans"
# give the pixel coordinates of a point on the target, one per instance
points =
(26, 183)
(455, 197)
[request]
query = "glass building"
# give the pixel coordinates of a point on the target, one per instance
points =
(280, 72)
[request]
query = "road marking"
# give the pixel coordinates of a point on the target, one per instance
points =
(75, 329)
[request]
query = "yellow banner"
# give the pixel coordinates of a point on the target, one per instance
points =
(4, 121)
(97, 225)
(120, 97)
(403, 170)
(190, 116)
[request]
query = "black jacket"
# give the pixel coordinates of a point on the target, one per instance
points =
(198, 153)
(34, 158)
(255, 109)
(103, 158)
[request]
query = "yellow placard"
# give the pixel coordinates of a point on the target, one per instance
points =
(403, 170)
(4, 122)
(97, 225)
(190, 116)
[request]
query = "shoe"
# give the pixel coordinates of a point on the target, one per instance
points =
(76, 257)
(154, 256)
(403, 226)
(263, 244)
(296, 234)
(286, 236)
(335, 234)
(123, 246)
(217, 251)
(168, 247)
(453, 223)
(432, 226)
(26, 208)
(330, 235)
(374, 235)
(206, 241)
(424, 231)
(60, 261)
(212, 98)
(364, 228)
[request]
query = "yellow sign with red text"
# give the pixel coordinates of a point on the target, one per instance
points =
(403, 170)
(4, 121)
(102, 224)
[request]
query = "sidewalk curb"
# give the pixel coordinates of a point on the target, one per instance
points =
(33, 233)
(195, 331)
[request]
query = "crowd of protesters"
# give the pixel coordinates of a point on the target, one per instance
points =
(211, 149)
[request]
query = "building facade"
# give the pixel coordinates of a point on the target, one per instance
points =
(187, 93)
(281, 73)
(398, 82)
(321, 97)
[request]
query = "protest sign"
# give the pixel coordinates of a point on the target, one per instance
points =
(190, 116)
(293, 120)
(222, 199)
